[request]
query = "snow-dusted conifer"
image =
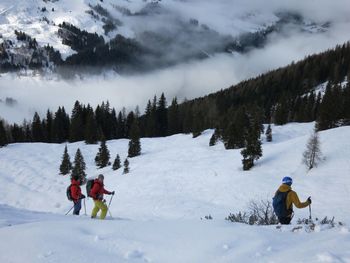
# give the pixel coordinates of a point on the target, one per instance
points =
(102, 157)
(312, 155)
(134, 143)
(126, 166)
(66, 165)
(79, 167)
(116, 164)
(3, 135)
(252, 150)
(268, 133)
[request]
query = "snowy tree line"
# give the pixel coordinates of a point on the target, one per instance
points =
(284, 95)
(102, 159)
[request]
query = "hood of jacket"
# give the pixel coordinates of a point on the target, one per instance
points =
(75, 182)
(284, 188)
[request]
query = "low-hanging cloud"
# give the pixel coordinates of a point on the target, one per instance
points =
(185, 80)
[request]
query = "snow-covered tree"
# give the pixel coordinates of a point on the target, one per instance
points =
(126, 166)
(134, 143)
(268, 133)
(116, 164)
(79, 167)
(66, 165)
(102, 157)
(252, 148)
(312, 155)
(3, 135)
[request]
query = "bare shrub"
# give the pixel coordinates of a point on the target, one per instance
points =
(259, 213)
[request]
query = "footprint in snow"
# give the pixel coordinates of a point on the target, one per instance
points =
(136, 254)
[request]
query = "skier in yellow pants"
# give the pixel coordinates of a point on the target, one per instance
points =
(96, 193)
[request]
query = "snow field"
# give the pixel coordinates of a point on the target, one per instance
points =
(158, 206)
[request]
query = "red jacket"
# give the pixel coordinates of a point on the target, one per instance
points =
(98, 190)
(75, 190)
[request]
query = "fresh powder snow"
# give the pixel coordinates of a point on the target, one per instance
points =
(158, 211)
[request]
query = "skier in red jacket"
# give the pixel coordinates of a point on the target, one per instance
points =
(76, 195)
(96, 193)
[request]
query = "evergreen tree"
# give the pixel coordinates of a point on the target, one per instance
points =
(251, 152)
(76, 132)
(162, 117)
(37, 131)
(197, 124)
(102, 157)
(126, 166)
(173, 118)
(61, 126)
(134, 143)
(346, 110)
(215, 137)
(3, 135)
(328, 108)
(129, 122)
(233, 134)
(312, 154)
(49, 126)
(113, 121)
(281, 113)
(79, 167)
(27, 132)
(149, 120)
(66, 165)
(91, 129)
(116, 163)
(121, 126)
(268, 133)
(17, 133)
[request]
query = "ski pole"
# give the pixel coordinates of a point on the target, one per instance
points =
(84, 206)
(110, 201)
(310, 212)
(69, 210)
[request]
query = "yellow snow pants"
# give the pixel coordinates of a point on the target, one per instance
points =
(99, 205)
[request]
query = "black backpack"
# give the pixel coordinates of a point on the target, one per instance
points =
(69, 193)
(89, 185)
(279, 204)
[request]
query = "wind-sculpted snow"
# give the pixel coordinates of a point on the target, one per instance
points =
(159, 208)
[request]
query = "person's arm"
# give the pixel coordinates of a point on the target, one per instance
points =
(106, 192)
(295, 200)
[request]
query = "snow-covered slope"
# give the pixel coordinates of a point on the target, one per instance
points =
(40, 19)
(159, 205)
(176, 30)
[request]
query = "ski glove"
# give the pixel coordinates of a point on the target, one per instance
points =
(309, 200)
(112, 193)
(82, 196)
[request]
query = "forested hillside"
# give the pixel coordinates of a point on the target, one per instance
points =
(315, 88)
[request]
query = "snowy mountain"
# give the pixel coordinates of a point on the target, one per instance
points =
(160, 206)
(140, 35)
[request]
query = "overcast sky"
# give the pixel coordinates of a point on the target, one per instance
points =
(188, 80)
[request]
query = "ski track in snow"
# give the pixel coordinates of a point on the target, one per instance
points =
(159, 207)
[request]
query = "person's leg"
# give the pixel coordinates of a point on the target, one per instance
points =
(95, 209)
(77, 207)
(104, 209)
(285, 220)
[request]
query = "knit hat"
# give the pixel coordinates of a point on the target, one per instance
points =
(287, 180)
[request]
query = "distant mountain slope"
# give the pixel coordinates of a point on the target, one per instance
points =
(135, 35)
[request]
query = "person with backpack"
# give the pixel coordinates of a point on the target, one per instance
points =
(76, 194)
(96, 193)
(284, 199)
